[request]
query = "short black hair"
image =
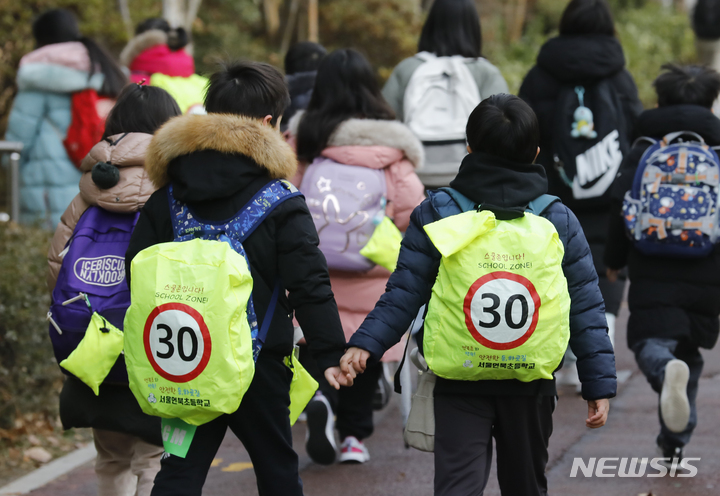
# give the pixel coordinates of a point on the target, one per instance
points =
(452, 28)
(140, 109)
(689, 85)
(505, 126)
(252, 89)
(304, 57)
(586, 17)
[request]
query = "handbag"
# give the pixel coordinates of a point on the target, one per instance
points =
(420, 426)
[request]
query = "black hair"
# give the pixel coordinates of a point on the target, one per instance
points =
(505, 126)
(689, 85)
(177, 38)
(585, 17)
(345, 87)
(252, 89)
(60, 26)
(452, 28)
(304, 57)
(140, 109)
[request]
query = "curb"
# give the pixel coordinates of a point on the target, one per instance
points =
(51, 471)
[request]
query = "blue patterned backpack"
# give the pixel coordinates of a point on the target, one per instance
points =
(672, 208)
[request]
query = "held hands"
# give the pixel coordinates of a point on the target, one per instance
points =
(337, 378)
(597, 413)
(354, 361)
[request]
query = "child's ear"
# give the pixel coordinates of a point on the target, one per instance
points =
(267, 120)
(536, 155)
(469, 149)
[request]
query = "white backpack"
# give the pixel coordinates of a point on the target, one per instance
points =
(439, 98)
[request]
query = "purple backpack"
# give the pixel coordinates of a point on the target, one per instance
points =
(346, 202)
(92, 279)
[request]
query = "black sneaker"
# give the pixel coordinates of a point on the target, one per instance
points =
(382, 394)
(670, 454)
(320, 439)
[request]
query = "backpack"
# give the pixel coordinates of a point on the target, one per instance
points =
(92, 279)
(86, 127)
(439, 98)
(500, 306)
(589, 139)
(706, 19)
(191, 333)
(672, 208)
(346, 202)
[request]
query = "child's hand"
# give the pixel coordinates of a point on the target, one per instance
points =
(337, 378)
(611, 274)
(597, 413)
(354, 361)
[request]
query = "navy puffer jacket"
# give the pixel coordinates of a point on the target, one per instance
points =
(502, 187)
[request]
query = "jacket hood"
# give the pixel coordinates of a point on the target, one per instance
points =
(225, 134)
(58, 68)
(127, 153)
(148, 53)
(72, 55)
(500, 185)
(140, 43)
(657, 122)
(581, 59)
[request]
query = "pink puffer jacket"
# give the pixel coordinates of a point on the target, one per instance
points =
(387, 146)
(127, 153)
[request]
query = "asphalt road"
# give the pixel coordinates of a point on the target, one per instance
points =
(394, 470)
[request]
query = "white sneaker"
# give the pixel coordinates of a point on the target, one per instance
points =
(320, 439)
(674, 403)
(353, 451)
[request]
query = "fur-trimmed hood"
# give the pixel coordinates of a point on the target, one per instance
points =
(371, 132)
(225, 133)
(140, 43)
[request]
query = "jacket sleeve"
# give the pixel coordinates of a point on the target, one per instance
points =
(632, 106)
(408, 289)
(407, 192)
(489, 79)
(394, 92)
(589, 340)
(63, 232)
(25, 119)
(304, 274)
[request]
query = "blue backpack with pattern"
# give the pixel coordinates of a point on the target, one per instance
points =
(672, 208)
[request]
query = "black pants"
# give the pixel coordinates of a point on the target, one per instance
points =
(261, 423)
(464, 428)
(353, 405)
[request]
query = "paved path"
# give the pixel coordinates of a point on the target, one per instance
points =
(396, 471)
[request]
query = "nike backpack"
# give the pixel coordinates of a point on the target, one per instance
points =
(672, 208)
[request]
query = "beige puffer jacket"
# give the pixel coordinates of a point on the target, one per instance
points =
(127, 153)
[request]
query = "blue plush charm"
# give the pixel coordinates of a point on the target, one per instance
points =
(584, 126)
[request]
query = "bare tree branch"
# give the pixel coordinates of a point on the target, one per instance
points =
(127, 20)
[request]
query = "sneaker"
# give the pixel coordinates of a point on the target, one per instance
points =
(353, 451)
(320, 439)
(382, 393)
(670, 455)
(674, 404)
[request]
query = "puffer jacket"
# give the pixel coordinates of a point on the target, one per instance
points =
(149, 58)
(442, 159)
(499, 185)
(391, 147)
(115, 408)
(127, 153)
(39, 119)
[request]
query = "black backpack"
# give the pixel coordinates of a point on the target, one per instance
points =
(589, 148)
(706, 19)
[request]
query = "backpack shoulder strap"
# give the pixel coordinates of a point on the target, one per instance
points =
(465, 203)
(541, 203)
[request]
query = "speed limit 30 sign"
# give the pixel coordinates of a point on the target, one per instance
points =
(177, 342)
(501, 310)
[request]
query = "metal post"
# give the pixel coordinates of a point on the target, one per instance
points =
(14, 149)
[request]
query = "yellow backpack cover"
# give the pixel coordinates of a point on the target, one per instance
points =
(500, 305)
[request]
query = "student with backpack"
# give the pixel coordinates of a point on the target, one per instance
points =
(663, 228)
(358, 177)
(212, 169)
(587, 104)
(157, 55)
(301, 66)
(434, 91)
(508, 278)
(58, 88)
(96, 228)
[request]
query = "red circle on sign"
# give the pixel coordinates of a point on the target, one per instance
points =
(468, 315)
(207, 348)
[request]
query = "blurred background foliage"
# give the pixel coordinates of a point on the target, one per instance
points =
(385, 30)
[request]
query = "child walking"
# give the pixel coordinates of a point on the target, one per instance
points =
(674, 302)
(362, 169)
(113, 180)
(216, 164)
(509, 279)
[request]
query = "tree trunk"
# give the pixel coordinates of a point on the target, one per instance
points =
(313, 31)
(271, 11)
(127, 20)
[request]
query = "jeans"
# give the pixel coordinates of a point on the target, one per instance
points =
(652, 355)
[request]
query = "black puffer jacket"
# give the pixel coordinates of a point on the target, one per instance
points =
(669, 297)
(300, 86)
(216, 163)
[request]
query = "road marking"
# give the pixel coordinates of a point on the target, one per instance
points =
(216, 462)
(237, 467)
